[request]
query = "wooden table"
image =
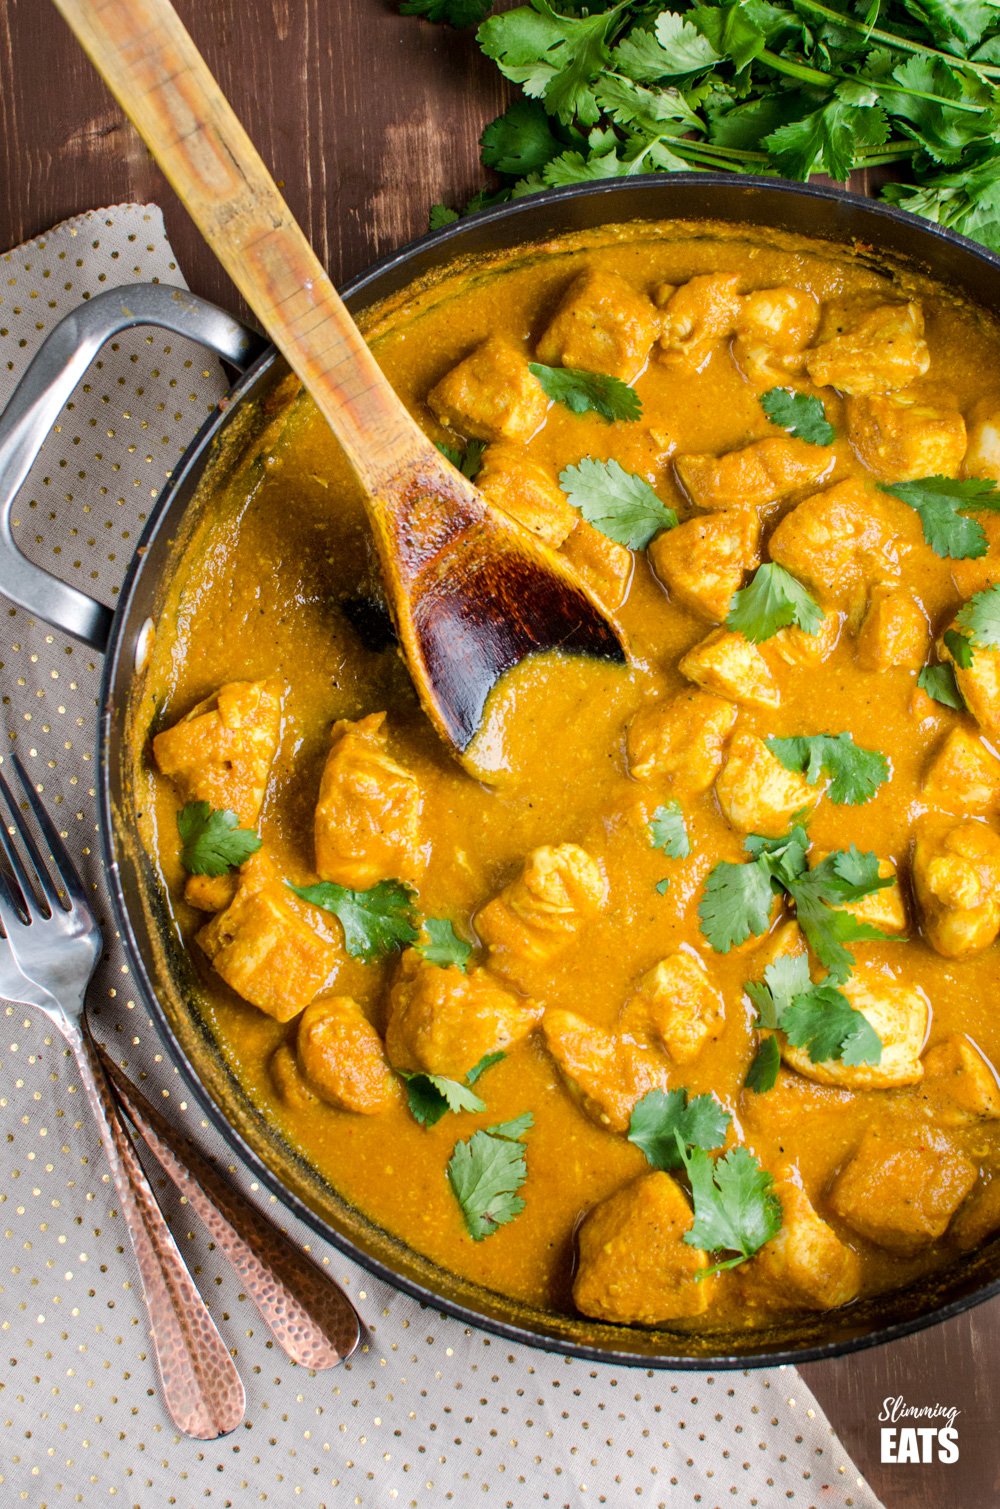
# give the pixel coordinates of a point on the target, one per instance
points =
(367, 118)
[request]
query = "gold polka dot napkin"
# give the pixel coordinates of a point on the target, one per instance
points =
(429, 1412)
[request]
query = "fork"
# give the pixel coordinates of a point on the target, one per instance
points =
(55, 943)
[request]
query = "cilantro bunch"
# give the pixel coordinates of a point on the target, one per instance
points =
(784, 87)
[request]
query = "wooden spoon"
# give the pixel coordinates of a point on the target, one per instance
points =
(471, 593)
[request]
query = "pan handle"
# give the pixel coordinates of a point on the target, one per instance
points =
(57, 367)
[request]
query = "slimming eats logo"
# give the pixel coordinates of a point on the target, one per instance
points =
(937, 1442)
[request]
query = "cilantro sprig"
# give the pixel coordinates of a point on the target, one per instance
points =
(668, 831)
(937, 500)
(441, 945)
(662, 1119)
(582, 392)
(813, 1015)
(802, 415)
(791, 87)
(620, 504)
(773, 600)
(375, 921)
(762, 1074)
(737, 899)
(938, 681)
(212, 841)
(980, 617)
(469, 459)
(855, 773)
(431, 1096)
(485, 1174)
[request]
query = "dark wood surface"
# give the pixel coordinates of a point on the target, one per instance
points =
(366, 118)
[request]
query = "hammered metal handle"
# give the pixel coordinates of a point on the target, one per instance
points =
(308, 1314)
(202, 1390)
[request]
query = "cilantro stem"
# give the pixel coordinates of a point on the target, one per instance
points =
(899, 44)
(794, 70)
(808, 75)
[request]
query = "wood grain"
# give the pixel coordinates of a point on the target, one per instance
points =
(366, 118)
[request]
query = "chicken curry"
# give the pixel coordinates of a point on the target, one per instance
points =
(684, 1014)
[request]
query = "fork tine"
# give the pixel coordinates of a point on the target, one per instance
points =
(10, 915)
(18, 869)
(64, 867)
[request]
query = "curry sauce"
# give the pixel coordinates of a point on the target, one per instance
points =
(875, 1183)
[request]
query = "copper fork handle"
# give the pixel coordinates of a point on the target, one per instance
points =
(201, 1387)
(308, 1314)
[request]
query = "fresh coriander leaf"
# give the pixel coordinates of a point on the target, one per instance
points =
(773, 601)
(667, 831)
(782, 858)
(212, 841)
(959, 647)
(843, 876)
(443, 946)
(802, 415)
(485, 1174)
(937, 500)
(520, 141)
(468, 461)
(454, 12)
(581, 392)
(375, 921)
(731, 30)
(618, 503)
(486, 1062)
(431, 1095)
(784, 979)
(734, 1207)
(663, 886)
(735, 904)
(553, 57)
(824, 1022)
(981, 616)
(662, 1119)
(439, 216)
(673, 49)
(514, 1130)
(762, 1074)
(856, 773)
(938, 681)
(827, 140)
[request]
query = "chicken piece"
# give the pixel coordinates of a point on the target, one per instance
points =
(982, 455)
(675, 1004)
(899, 1014)
(287, 1079)
(765, 472)
(901, 1196)
(537, 916)
(979, 684)
(211, 893)
(491, 395)
(698, 315)
(806, 1263)
(956, 879)
(900, 439)
(844, 541)
(796, 646)
(963, 775)
(731, 666)
(878, 351)
(442, 1021)
(755, 791)
(602, 325)
(703, 561)
(978, 1218)
(526, 490)
(974, 574)
(895, 631)
(786, 319)
(959, 1083)
(680, 741)
(634, 1266)
(883, 909)
(604, 566)
(222, 751)
(605, 1073)
(341, 1057)
(367, 823)
(266, 949)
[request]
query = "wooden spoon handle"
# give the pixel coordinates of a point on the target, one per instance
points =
(161, 81)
